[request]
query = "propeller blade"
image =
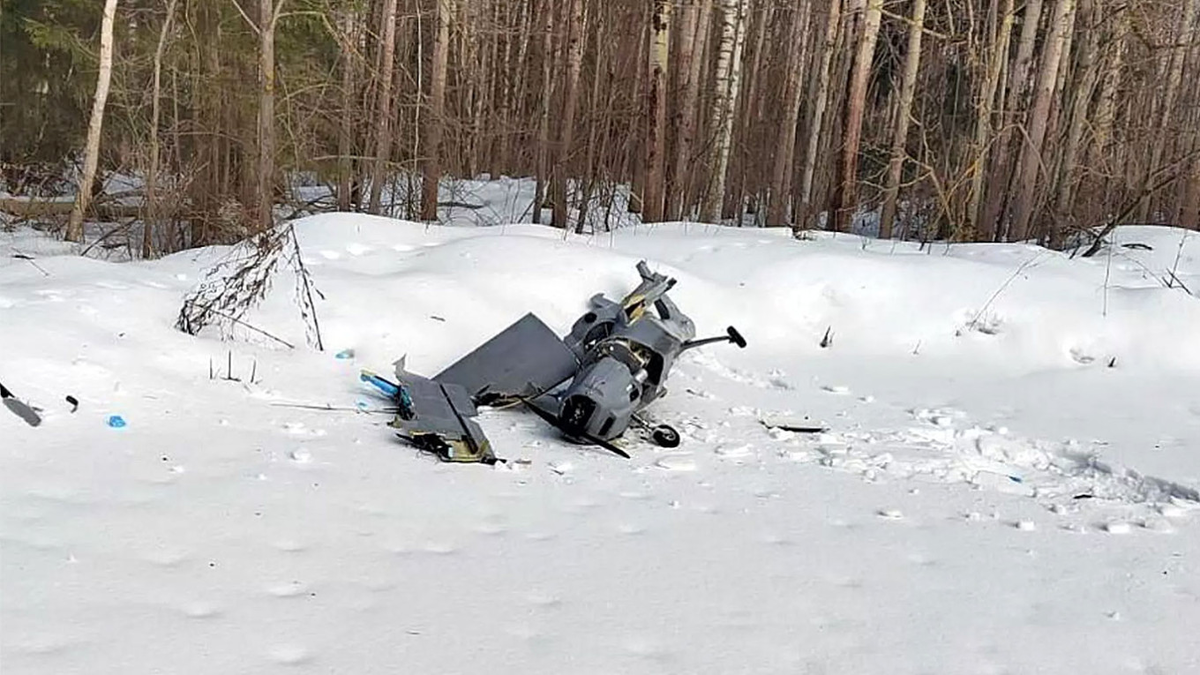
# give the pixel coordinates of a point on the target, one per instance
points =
(553, 420)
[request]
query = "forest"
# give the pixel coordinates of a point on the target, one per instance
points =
(955, 120)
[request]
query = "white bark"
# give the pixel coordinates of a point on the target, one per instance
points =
(92, 149)
(728, 80)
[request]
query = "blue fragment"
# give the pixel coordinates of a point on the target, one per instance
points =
(381, 384)
(115, 421)
(1015, 479)
(345, 354)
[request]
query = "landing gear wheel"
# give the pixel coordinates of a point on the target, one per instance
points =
(665, 436)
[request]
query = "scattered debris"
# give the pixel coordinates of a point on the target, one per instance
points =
(590, 385)
(20, 408)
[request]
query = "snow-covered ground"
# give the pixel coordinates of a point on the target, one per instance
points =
(1009, 482)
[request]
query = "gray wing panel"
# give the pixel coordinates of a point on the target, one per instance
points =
(525, 359)
(434, 411)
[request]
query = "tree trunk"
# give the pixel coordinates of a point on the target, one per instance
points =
(150, 218)
(983, 122)
(575, 44)
(1106, 104)
(817, 119)
(350, 59)
(781, 176)
(691, 103)
(728, 77)
(1039, 114)
(1018, 82)
(435, 122)
(1179, 52)
(656, 112)
(749, 113)
(685, 31)
(92, 149)
(908, 85)
(383, 103)
(1081, 97)
(843, 208)
(1189, 216)
(265, 185)
(547, 95)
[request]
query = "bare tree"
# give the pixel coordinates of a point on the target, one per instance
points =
(781, 179)
(845, 196)
(435, 121)
(728, 78)
(383, 102)
(348, 43)
(820, 101)
(1039, 117)
(575, 44)
(92, 149)
(656, 112)
(983, 119)
(1180, 47)
(265, 193)
(150, 219)
(908, 87)
(1081, 97)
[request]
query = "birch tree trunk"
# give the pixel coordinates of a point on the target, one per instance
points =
(92, 149)
(656, 111)
(150, 219)
(817, 118)
(685, 31)
(728, 74)
(575, 44)
(781, 177)
(908, 85)
(1039, 114)
(436, 119)
(846, 196)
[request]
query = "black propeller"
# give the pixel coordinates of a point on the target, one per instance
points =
(731, 335)
(557, 424)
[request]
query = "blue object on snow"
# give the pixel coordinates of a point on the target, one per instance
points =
(1015, 479)
(116, 421)
(345, 354)
(381, 384)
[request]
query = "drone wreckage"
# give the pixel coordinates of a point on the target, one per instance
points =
(591, 385)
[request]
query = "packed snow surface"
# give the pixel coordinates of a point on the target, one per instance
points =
(1008, 481)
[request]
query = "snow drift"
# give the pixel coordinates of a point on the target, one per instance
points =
(1008, 483)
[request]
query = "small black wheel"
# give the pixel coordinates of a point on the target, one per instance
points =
(665, 436)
